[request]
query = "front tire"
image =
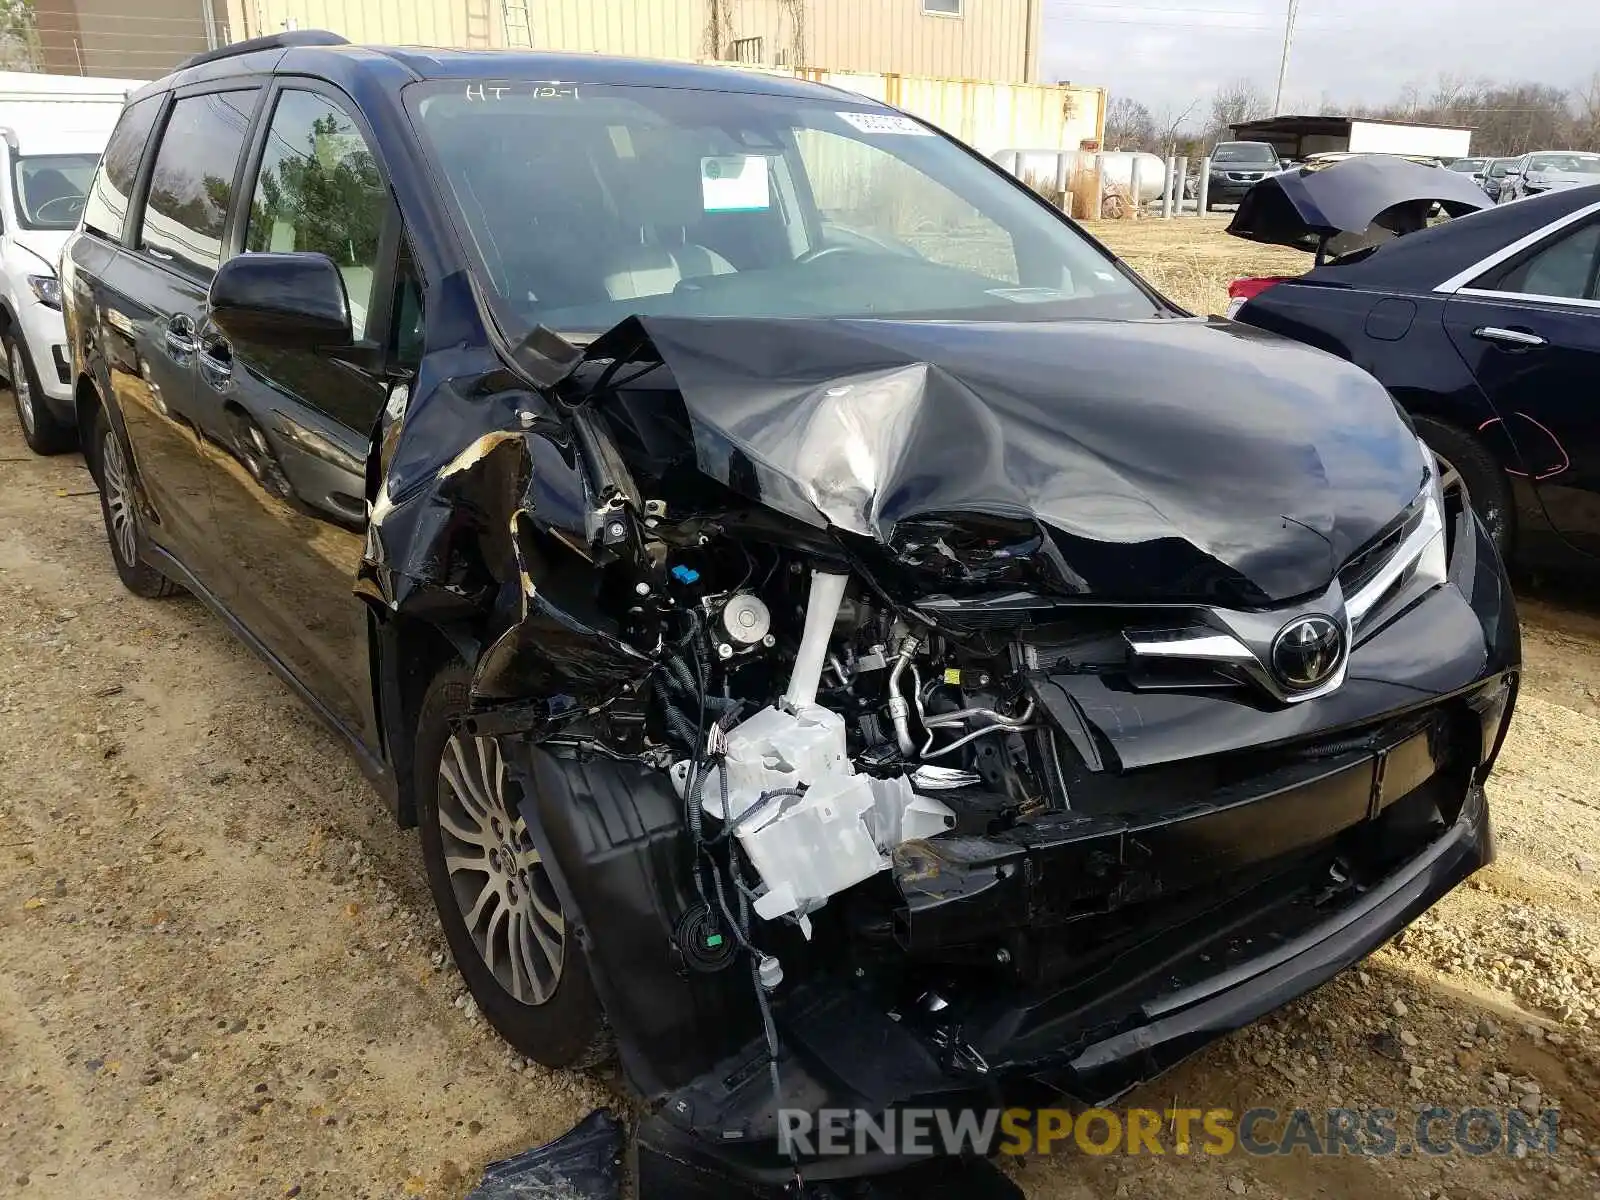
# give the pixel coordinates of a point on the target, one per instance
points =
(501, 916)
(119, 510)
(1483, 477)
(41, 429)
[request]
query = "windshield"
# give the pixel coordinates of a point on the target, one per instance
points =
(1498, 169)
(1467, 166)
(50, 188)
(584, 204)
(1566, 164)
(1245, 152)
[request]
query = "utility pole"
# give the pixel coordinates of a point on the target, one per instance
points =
(1283, 63)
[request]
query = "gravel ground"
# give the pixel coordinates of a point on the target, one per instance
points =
(220, 975)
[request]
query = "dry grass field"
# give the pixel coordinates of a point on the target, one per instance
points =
(1191, 260)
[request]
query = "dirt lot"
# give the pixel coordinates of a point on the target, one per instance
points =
(220, 976)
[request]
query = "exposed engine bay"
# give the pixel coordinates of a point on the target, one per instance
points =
(836, 743)
(891, 726)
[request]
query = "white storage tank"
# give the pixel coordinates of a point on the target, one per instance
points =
(1116, 167)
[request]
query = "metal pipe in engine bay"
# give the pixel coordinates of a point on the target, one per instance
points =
(899, 710)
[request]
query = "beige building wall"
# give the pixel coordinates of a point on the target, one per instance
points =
(127, 39)
(989, 40)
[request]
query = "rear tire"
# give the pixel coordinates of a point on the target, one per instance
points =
(41, 429)
(119, 509)
(1485, 480)
(503, 922)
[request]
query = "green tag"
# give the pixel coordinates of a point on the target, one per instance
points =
(714, 940)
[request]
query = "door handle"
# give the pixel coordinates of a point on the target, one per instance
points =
(1520, 338)
(216, 363)
(179, 337)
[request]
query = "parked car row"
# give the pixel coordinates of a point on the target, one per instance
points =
(1508, 179)
(824, 660)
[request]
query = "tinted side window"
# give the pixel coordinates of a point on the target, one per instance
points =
(192, 182)
(319, 190)
(119, 166)
(1566, 268)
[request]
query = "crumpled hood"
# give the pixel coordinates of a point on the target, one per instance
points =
(1169, 458)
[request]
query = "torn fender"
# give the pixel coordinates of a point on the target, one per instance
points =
(478, 527)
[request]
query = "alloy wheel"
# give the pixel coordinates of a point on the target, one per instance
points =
(21, 388)
(119, 498)
(501, 885)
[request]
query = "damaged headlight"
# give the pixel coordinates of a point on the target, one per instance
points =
(1418, 563)
(1433, 563)
(972, 549)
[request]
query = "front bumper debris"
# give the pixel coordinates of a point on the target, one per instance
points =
(1220, 859)
(1092, 1038)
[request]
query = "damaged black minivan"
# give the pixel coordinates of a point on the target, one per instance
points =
(845, 639)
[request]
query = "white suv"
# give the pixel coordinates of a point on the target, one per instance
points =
(41, 199)
(52, 130)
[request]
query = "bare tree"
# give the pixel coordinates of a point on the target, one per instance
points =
(19, 36)
(1129, 126)
(718, 30)
(1233, 104)
(1168, 124)
(1586, 115)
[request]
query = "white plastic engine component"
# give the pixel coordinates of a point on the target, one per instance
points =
(810, 847)
(822, 609)
(771, 751)
(835, 834)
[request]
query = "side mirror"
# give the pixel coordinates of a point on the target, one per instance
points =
(293, 301)
(1513, 170)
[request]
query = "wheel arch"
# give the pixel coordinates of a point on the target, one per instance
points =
(88, 399)
(1468, 415)
(408, 653)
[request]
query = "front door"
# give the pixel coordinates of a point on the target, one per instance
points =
(1530, 330)
(290, 495)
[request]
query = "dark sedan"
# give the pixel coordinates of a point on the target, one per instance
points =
(1486, 329)
(1494, 176)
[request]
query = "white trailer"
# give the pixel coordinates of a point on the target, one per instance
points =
(1296, 138)
(1394, 137)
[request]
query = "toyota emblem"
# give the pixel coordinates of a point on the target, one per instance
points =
(1307, 651)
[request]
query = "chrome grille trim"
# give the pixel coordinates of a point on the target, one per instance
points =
(1241, 641)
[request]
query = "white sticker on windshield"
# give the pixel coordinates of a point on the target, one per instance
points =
(884, 123)
(735, 183)
(1029, 295)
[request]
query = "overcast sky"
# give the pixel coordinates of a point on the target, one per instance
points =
(1168, 52)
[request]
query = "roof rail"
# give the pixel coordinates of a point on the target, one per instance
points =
(272, 41)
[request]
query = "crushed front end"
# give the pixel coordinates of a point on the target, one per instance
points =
(865, 785)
